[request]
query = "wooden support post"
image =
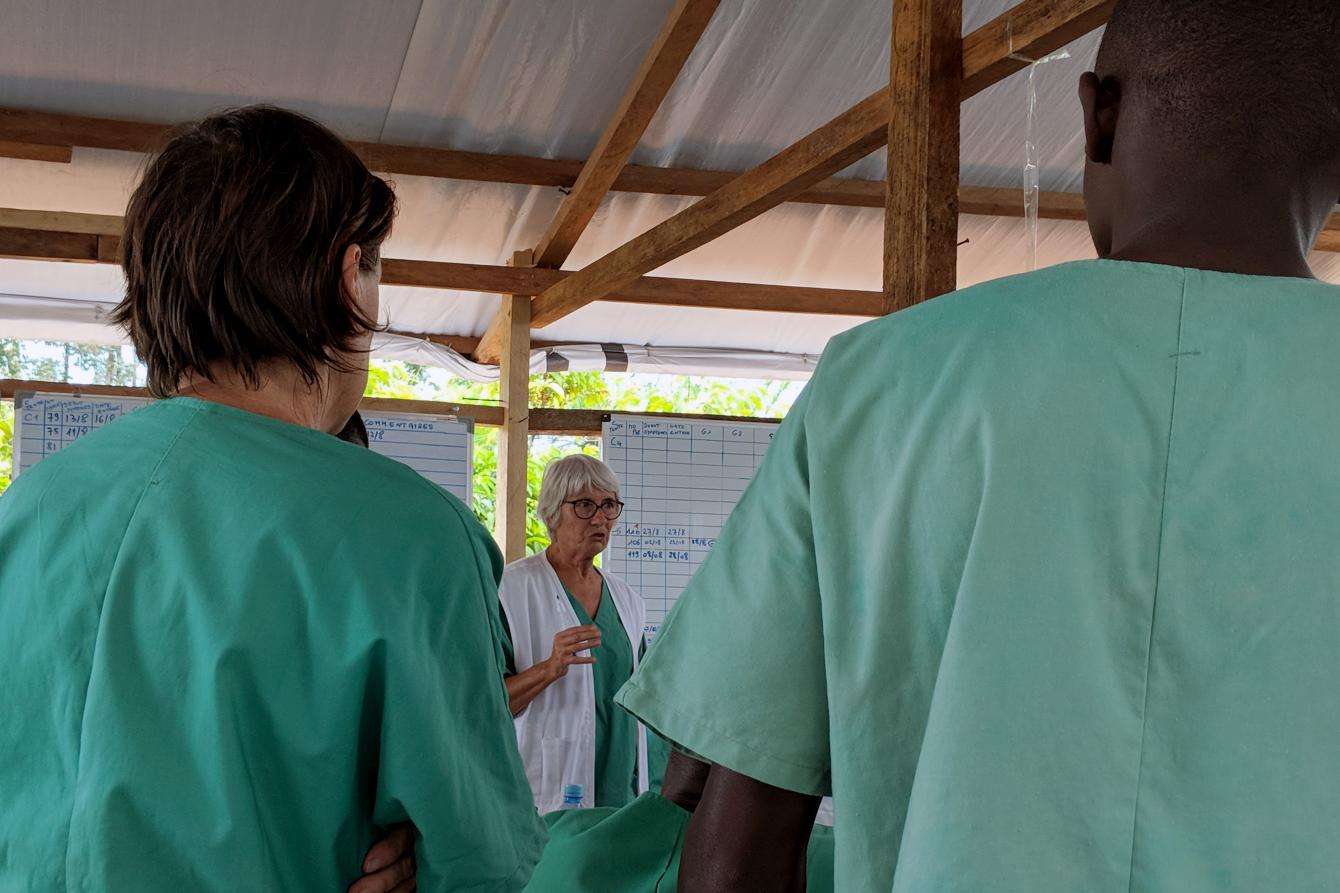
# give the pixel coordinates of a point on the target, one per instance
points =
(921, 210)
(510, 499)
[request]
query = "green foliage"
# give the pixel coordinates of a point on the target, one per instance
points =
(576, 390)
(56, 361)
(6, 443)
(11, 359)
(564, 390)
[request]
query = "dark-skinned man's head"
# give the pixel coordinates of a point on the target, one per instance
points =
(1243, 94)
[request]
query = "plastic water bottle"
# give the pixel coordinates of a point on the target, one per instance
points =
(572, 796)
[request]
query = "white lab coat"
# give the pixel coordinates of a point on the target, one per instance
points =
(556, 733)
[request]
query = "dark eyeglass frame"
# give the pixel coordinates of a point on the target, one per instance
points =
(614, 504)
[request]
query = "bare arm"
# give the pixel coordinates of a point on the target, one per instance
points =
(746, 835)
(526, 685)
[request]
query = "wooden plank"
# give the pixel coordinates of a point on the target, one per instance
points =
(921, 215)
(36, 152)
(842, 141)
(669, 51)
(1009, 202)
(56, 133)
(490, 416)
(509, 503)
(109, 249)
(1026, 32)
(34, 244)
(649, 290)
(45, 128)
(11, 386)
(487, 416)
(62, 221)
(847, 138)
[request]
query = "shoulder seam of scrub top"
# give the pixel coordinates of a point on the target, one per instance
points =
(1158, 578)
(116, 559)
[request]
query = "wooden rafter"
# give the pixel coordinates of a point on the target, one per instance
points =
(82, 238)
(86, 238)
(62, 221)
(669, 51)
(519, 170)
(46, 132)
(1034, 25)
(36, 152)
(844, 140)
(921, 215)
(1026, 33)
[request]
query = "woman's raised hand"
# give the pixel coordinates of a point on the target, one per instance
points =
(566, 645)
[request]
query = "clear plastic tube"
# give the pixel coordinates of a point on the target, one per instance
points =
(1032, 161)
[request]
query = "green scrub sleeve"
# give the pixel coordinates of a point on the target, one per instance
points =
(505, 642)
(736, 674)
(448, 756)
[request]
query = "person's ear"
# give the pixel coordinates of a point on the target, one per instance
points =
(1101, 101)
(353, 256)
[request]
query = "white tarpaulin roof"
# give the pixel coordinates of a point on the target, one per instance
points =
(528, 77)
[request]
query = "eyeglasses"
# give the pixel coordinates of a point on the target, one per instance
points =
(586, 508)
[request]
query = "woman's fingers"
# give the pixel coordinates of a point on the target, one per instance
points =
(392, 877)
(583, 660)
(574, 647)
(395, 844)
(592, 637)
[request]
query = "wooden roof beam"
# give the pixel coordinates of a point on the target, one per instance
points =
(1031, 28)
(87, 238)
(669, 51)
(48, 134)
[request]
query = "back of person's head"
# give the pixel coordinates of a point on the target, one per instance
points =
(1213, 130)
(355, 431)
(1257, 82)
(233, 249)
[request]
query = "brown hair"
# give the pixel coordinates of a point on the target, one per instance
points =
(233, 246)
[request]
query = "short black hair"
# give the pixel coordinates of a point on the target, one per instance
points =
(1257, 78)
(354, 430)
(233, 244)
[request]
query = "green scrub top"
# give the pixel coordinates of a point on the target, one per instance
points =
(616, 729)
(233, 650)
(637, 849)
(1040, 581)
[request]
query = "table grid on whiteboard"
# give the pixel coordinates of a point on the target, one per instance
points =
(47, 424)
(680, 481)
(438, 447)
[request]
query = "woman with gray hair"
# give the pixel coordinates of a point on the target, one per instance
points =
(576, 636)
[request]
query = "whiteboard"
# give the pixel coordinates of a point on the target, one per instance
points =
(48, 423)
(439, 447)
(680, 480)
